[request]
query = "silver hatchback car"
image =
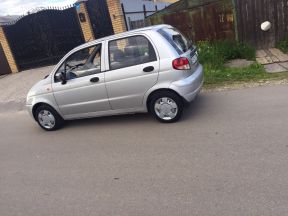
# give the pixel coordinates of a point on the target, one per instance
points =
(153, 69)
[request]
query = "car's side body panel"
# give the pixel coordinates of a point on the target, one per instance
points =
(189, 87)
(126, 86)
(80, 96)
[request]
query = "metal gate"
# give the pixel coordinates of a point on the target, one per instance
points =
(43, 38)
(100, 18)
(4, 66)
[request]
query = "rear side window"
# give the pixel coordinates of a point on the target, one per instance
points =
(176, 39)
(130, 51)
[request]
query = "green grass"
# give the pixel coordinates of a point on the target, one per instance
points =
(283, 45)
(217, 53)
(213, 56)
(223, 76)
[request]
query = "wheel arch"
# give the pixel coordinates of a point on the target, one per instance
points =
(157, 91)
(37, 105)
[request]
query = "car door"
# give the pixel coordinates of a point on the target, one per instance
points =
(133, 70)
(85, 93)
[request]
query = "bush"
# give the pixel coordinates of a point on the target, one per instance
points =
(283, 45)
(215, 54)
(208, 54)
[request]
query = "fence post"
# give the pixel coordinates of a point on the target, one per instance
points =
(117, 16)
(130, 23)
(124, 15)
(85, 23)
(144, 11)
(235, 19)
(7, 50)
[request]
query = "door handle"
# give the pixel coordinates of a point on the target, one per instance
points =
(148, 69)
(94, 79)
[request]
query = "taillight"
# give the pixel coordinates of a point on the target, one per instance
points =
(181, 64)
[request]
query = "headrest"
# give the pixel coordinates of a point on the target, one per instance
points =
(132, 51)
(118, 55)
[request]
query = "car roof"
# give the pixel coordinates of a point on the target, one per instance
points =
(140, 30)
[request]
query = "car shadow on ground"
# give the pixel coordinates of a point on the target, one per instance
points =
(196, 108)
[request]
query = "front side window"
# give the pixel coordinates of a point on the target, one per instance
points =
(130, 51)
(82, 63)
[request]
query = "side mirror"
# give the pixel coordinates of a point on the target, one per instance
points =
(61, 77)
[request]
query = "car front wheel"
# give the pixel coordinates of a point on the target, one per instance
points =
(166, 107)
(48, 118)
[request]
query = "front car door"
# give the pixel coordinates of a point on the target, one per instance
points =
(133, 70)
(84, 94)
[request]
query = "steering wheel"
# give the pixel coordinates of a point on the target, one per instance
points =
(72, 67)
(70, 75)
(69, 66)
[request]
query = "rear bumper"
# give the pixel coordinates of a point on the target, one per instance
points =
(190, 87)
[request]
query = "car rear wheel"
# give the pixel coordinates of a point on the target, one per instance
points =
(166, 107)
(48, 118)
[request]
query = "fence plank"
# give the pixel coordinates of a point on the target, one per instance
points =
(250, 15)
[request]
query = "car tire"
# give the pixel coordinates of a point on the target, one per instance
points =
(48, 119)
(166, 107)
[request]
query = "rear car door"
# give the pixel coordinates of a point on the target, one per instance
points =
(133, 69)
(85, 93)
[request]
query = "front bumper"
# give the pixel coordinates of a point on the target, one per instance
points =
(30, 110)
(190, 87)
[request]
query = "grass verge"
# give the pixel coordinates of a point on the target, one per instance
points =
(213, 56)
(228, 76)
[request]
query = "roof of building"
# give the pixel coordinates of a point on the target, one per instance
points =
(4, 20)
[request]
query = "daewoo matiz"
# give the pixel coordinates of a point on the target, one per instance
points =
(154, 69)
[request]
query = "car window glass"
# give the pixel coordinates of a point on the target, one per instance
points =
(130, 51)
(82, 63)
(176, 39)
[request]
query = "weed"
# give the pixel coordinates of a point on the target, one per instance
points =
(283, 45)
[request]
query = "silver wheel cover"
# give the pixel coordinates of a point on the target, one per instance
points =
(46, 119)
(166, 108)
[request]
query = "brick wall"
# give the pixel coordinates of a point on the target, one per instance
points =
(8, 52)
(86, 26)
(117, 17)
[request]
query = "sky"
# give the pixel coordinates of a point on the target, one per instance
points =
(19, 7)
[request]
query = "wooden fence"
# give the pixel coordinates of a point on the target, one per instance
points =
(202, 20)
(250, 15)
(228, 19)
